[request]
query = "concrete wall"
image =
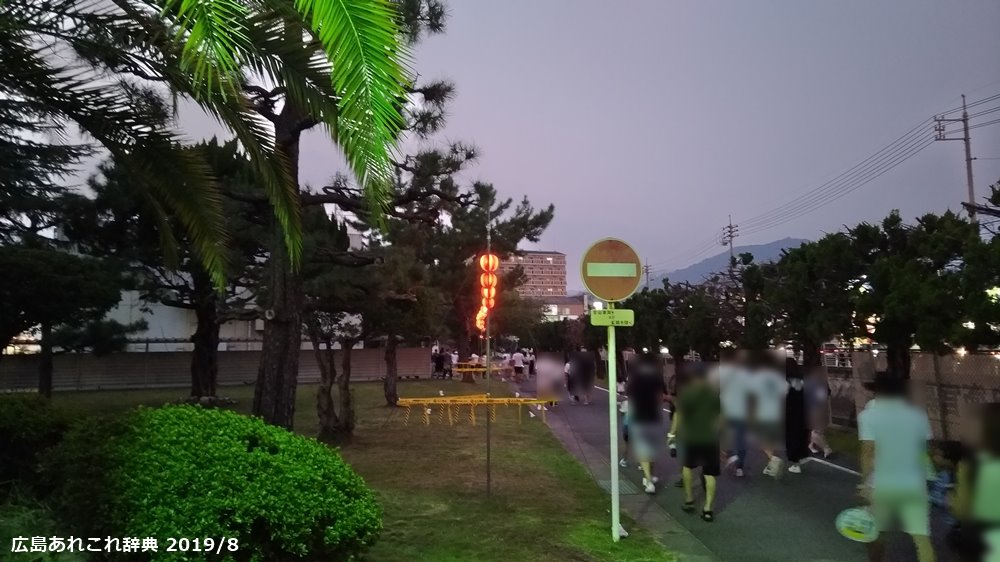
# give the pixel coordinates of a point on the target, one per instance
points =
(78, 371)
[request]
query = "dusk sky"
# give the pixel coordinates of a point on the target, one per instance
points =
(653, 121)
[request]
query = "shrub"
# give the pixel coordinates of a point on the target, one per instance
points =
(26, 518)
(186, 471)
(28, 427)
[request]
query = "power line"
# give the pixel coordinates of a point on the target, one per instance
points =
(851, 189)
(846, 182)
(888, 157)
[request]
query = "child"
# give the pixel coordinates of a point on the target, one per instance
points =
(945, 457)
(623, 408)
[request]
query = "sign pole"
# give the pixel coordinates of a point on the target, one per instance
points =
(613, 420)
(610, 271)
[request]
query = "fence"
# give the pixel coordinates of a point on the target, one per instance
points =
(946, 385)
(79, 371)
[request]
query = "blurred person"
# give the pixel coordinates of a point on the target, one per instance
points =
(768, 387)
(446, 359)
(894, 434)
(438, 358)
(584, 372)
(454, 363)
(818, 408)
(623, 408)
(796, 422)
(531, 362)
(570, 379)
(549, 383)
(733, 383)
(977, 495)
(945, 458)
(698, 423)
(645, 392)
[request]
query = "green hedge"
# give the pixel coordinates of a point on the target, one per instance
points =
(185, 471)
(28, 427)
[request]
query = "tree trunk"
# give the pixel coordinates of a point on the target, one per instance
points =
(391, 371)
(897, 357)
(45, 362)
(205, 357)
(277, 375)
(811, 356)
(329, 422)
(463, 343)
(346, 428)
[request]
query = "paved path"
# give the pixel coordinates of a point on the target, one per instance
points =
(757, 518)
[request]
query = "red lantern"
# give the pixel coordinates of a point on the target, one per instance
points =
(489, 303)
(489, 262)
(488, 280)
(489, 292)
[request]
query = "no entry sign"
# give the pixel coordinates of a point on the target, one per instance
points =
(611, 270)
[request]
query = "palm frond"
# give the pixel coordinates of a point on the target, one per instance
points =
(363, 42)
(213, 33)
(232, 112)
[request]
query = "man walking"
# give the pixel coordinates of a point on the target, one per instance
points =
(769, 388)
(517, 361)
(698, 423)
(645, 391)
(732, 380)
(894, 435)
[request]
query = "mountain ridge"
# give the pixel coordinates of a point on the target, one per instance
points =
(697, 272)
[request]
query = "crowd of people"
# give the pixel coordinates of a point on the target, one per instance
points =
(752, 400)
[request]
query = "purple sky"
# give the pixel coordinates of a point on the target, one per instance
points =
(652, 121)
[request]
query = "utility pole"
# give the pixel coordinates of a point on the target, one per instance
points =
(728, 234)
(941, 136)
(647, 270)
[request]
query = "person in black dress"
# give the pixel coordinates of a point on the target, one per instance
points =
(796, 420)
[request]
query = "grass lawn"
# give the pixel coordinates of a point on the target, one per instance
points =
(845, 442)
(431, 480)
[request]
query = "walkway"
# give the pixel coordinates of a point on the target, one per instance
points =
(757, 518)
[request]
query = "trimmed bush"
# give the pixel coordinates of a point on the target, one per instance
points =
(28, 426)
(186, 471)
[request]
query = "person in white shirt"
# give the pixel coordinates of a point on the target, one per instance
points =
(517, 361)
(733, 382)
(894, 435)
(768, 387)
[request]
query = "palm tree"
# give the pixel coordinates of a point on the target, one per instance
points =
(97, 65)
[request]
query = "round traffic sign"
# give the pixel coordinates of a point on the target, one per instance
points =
(611, 270)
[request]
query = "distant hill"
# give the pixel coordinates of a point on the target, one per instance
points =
(698, 272)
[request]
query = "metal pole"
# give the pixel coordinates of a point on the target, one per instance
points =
(489, 375)
(613, 429)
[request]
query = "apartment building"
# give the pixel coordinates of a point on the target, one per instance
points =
(545, 273)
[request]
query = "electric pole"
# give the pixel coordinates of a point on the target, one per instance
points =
(647, 270)
(941, 136)
(728, 234)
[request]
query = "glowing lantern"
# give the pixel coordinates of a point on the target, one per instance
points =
(489, 262)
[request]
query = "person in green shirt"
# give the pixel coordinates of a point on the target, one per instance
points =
(697, 423)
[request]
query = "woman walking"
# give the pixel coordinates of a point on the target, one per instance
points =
(818, 406)
(796, 422)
